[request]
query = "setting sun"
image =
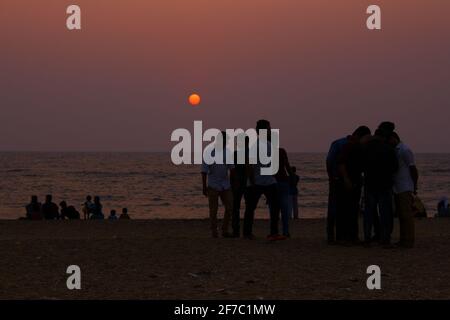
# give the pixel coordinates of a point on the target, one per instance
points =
(194, 99)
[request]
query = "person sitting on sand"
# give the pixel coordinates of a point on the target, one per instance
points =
(34, 209)
(216, 184)
(88, 207)
(124, 215)
(97, 212)
(443, 208)
(68, 212)
(49, 209)
(112, 215)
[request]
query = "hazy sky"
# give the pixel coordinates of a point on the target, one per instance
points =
(311, 67)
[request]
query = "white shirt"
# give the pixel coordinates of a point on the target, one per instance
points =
(403, 181)
(218, 178)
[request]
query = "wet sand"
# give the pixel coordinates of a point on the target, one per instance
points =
(176, 259)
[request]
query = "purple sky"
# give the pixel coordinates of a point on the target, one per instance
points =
(311, 67)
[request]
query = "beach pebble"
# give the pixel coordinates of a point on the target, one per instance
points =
(193, 275)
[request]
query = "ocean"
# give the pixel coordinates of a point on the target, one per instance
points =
(150, 186)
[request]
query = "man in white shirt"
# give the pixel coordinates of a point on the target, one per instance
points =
(216, 184)
(258, 185)
(405, 187)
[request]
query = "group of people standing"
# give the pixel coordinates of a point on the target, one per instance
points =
(370, 173)
(376, 169)
(381, 170)
(234, 182)
(49, 210)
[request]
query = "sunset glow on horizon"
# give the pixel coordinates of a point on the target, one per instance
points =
(311, 67)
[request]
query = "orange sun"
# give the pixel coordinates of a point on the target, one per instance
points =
(194, 99)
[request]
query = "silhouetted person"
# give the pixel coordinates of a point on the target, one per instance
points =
(112, 215)
(380, 166)
(350, 167)
(50, 210)
(88, 207)
(343, 153)
(239, 186)
(385, 129)
(68, 212)
(97, 212)
(443, 208)
(124, 215)
(334, 180)
(34, 209)
(405, 187)
(293, 192)
(216, 184)
(259, 185)
(284, 178)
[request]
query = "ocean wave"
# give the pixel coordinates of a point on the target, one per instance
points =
(441, 170)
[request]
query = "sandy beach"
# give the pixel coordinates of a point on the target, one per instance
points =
(176, 259)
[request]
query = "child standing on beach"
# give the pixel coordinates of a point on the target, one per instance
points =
(88, 207)
(216, 184)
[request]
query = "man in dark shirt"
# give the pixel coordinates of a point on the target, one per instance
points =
(49, 209)
(380, 165)
(349, 192)
(239, 184)
(344, 174)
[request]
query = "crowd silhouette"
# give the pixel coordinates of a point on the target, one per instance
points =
(373, 175)
(369, 175)
(92, 210)
(232, 183)
(381, 170)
